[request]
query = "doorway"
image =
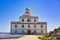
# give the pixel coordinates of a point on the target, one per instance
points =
(29, 31)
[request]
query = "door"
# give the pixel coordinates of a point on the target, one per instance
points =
(29, 31)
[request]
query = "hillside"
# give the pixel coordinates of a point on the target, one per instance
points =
(52, 35)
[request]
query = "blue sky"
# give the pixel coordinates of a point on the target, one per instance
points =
(46, 10)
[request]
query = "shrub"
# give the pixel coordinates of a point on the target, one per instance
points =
(43, 38)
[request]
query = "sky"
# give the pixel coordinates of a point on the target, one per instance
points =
(47, 11)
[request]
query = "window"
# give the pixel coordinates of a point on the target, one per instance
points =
(22, 20)
(34, 31)
(41, 26)
(15, 31)
(28, 20)
(22, 30)
(34, 20)
(41, 31)
(15, 26)
(34, 25)
(28, 26)
(22, 26)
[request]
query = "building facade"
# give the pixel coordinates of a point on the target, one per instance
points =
(28, 24)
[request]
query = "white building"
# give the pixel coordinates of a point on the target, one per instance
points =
(28, 24)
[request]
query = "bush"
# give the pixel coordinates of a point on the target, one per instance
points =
(43, 38)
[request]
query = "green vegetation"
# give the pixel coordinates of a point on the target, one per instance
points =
(43, 37)
(52, 35)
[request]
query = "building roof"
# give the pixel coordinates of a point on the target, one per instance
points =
(28, 16)
(27, 12)
(29, 23)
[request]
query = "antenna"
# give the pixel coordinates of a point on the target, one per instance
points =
(27, 9)
(28, 6)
